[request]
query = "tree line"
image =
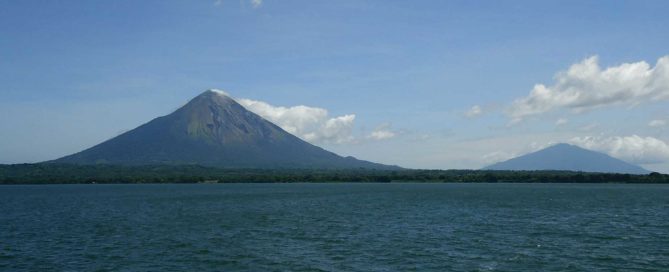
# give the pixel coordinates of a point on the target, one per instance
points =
(79, 174)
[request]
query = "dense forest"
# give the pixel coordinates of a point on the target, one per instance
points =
(68, 173)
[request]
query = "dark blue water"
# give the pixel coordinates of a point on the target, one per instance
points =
(335, 227)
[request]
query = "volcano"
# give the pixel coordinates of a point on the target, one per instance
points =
(214, 130)
(568, 158)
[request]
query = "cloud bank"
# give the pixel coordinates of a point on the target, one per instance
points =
(585, 86)
(309, 123)
(634, 149)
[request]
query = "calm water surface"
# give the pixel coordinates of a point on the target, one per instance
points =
(335, 227)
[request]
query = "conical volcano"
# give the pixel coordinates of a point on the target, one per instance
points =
(569, 158)
(214, 130)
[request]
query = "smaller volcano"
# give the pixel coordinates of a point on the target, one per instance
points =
(569, 158)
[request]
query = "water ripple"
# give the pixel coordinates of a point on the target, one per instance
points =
(335, 227)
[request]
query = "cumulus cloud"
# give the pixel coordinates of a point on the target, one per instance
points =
(474, 112)
(309, 123)
(381, 133)
(337, 130)
(635, 149)
(585, 86)
(658, 123)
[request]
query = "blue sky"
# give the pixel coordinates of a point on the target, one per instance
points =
(412, 73)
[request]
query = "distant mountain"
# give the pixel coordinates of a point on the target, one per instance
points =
(570, 158)
(214, 130)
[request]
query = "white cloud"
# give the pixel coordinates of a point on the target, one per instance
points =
(474, 111)
(312, 124)
(309, 123)
(336, 130)
(381, 133)
(586, 86)
(256, 3)
(561, 122)
(658, 123)
(635, 149)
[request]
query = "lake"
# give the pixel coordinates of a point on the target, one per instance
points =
(335, 227)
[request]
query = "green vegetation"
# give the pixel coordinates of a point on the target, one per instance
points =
(69, 173)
